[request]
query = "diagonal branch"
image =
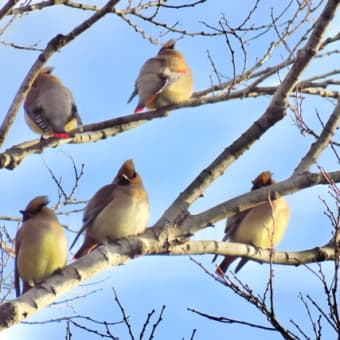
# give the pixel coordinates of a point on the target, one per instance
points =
(274, 113)
(13, 156)
(7, 7)
(192, 223)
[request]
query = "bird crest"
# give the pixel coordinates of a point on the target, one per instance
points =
(262, 180)
(127, 172)
(34, 207)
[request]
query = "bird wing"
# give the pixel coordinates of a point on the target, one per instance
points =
(74, 112)
(35, 110)
(133, 94)
(232, 223)
(153, 79)
(98, 202)
(16, 279)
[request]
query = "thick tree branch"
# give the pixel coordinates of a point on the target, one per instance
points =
(189, 224)
(110, 255)
(38, 298)
(202, 247)
(13, 156)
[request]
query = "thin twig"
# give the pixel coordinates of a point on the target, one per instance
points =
(125, 317)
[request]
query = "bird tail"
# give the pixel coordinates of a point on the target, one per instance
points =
(16, 280)
(227, 261)
(133, 94)
(88, 245)
(139, 108)
(61, 135)
(26, 287)
(239, 266)
(222, 268)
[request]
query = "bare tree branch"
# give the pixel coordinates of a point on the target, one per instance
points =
(7, 7)
(323, 141)
(223, 319)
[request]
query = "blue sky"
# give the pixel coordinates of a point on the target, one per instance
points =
(100, 68)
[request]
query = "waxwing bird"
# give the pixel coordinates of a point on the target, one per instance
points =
(262, 226)
(49, 106)
(117, 210)
(40, 245)
(163, 80)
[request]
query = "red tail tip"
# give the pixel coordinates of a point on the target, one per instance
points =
(139, 109)
(60, 135)
(219, 272)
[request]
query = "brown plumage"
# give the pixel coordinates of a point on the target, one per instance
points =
(49, 106)
(163, 80)
(117, 210)
(40, 245)
(262, 226)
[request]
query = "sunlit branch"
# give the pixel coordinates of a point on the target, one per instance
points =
(290, 258)
(193, 223)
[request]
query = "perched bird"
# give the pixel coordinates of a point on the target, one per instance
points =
(49, 106)
(262, 226)
(40, 245)
(163, 80)
(117, 210)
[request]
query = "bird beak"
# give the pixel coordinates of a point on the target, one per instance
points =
(126, 177)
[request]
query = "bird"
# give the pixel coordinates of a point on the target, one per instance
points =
(49, 106)
(163, 80)
(116, 210)
(40, 245)
(262, 226)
